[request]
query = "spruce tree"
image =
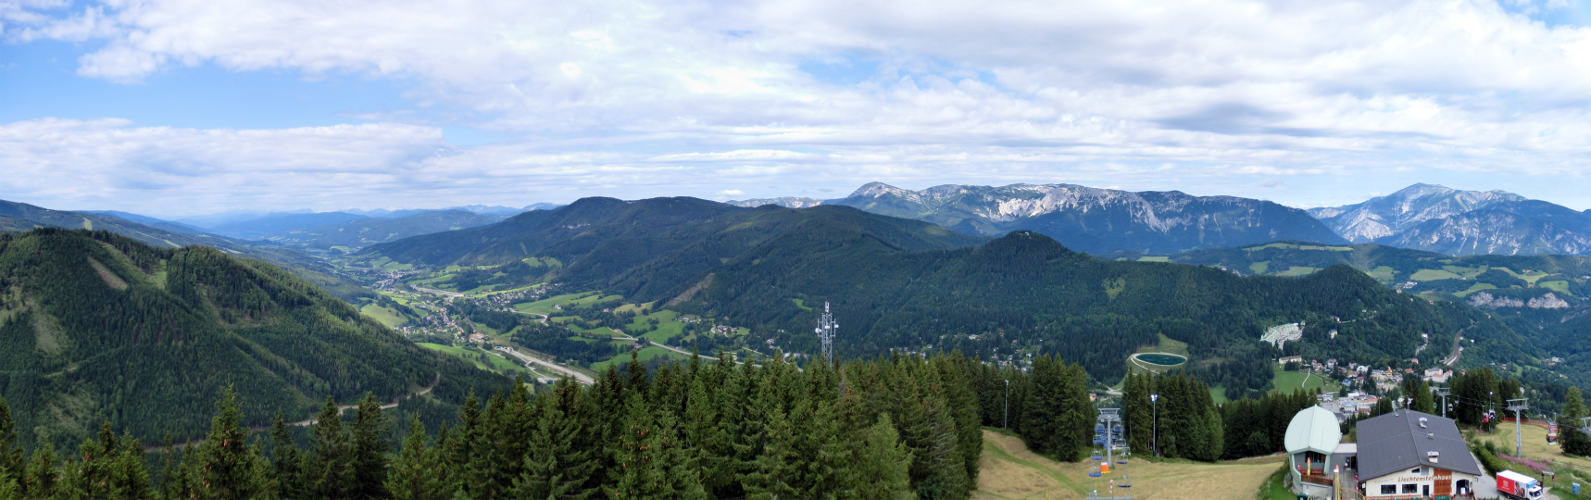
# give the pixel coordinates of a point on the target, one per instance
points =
(329, 468)
(10, 450)
(369, 450)
(556, 466)
(96, 474)
(776, 471)
(132, 472)
(288, 464)
(881, 468)
(227, 466)
(414, 474)
(41, 478)
(1570, 438)
(639, 473)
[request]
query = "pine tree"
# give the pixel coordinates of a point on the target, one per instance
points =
(132, 472)
(881, 469)
(329, 468)
(458, 448)
(414, 474)
(288, 464)
(775, 473)
(95, 476)
(227, 466)
(639, 474)
(556, 466)
(41, 479)
(11, 464)
(369, 450)
(1570, 438)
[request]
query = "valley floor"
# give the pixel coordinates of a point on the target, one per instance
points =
(1009, 471)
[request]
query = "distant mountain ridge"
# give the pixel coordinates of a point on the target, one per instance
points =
(645, 248)
(1094, 220)
(1384, 216)
(19, 217)
(363, 232)
(1445, 220)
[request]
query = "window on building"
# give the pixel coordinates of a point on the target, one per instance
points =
(1411, 488)
(1389, 489)
(1415, 471)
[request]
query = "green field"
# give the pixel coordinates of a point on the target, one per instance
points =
(385, 315)
(545, 306)
(801, 304)
(646, 354)
(498, 363)
(1475, 288)
(1298, 271)
(1556, 286)
(1383, 273)
(1531, 277)
(1433, 275)
(1260, 267)
(1290, 246)
(1154, 259)
(1286, 381)
(1167, 345)
(1218, 395)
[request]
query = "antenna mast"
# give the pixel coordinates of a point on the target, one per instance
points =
(826, 330)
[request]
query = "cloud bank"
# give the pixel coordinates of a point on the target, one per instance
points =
(1302, 102)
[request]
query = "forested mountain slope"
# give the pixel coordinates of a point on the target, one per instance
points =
(645, 248)
(1027, 291)
(18, 217)
(1093, 220)
(96, 326)
(1532, 292)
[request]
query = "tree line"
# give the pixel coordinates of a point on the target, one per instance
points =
(898, 427)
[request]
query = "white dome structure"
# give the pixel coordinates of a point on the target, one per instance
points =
(1312, 437)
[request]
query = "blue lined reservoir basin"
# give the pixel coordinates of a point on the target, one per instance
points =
(1159, 359)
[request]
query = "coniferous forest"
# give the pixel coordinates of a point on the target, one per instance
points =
(901, 427)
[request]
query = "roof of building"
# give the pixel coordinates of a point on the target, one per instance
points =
(1314, 429)
(1346, 449)
(1395, 442)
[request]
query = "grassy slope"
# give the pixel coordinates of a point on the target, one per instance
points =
(1009, 471)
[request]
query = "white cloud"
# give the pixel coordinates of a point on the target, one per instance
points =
(657, 97)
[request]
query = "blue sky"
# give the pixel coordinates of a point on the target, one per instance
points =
(182, 107)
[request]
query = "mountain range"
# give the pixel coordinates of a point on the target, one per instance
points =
(1097, 221)
(904, 284)
(1103, 221)
(1454, 222)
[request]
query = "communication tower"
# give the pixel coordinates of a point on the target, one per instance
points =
(826, 330)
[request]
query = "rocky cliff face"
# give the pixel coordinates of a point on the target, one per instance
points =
(1097, 220)
(783, 201)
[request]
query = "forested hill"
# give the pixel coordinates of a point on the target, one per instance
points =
(18, 217)
(642, 249)
(1026, 292)
(96, 326)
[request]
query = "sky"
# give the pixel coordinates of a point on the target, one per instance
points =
(183, 107)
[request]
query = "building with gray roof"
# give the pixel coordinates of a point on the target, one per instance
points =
(1407, 454)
